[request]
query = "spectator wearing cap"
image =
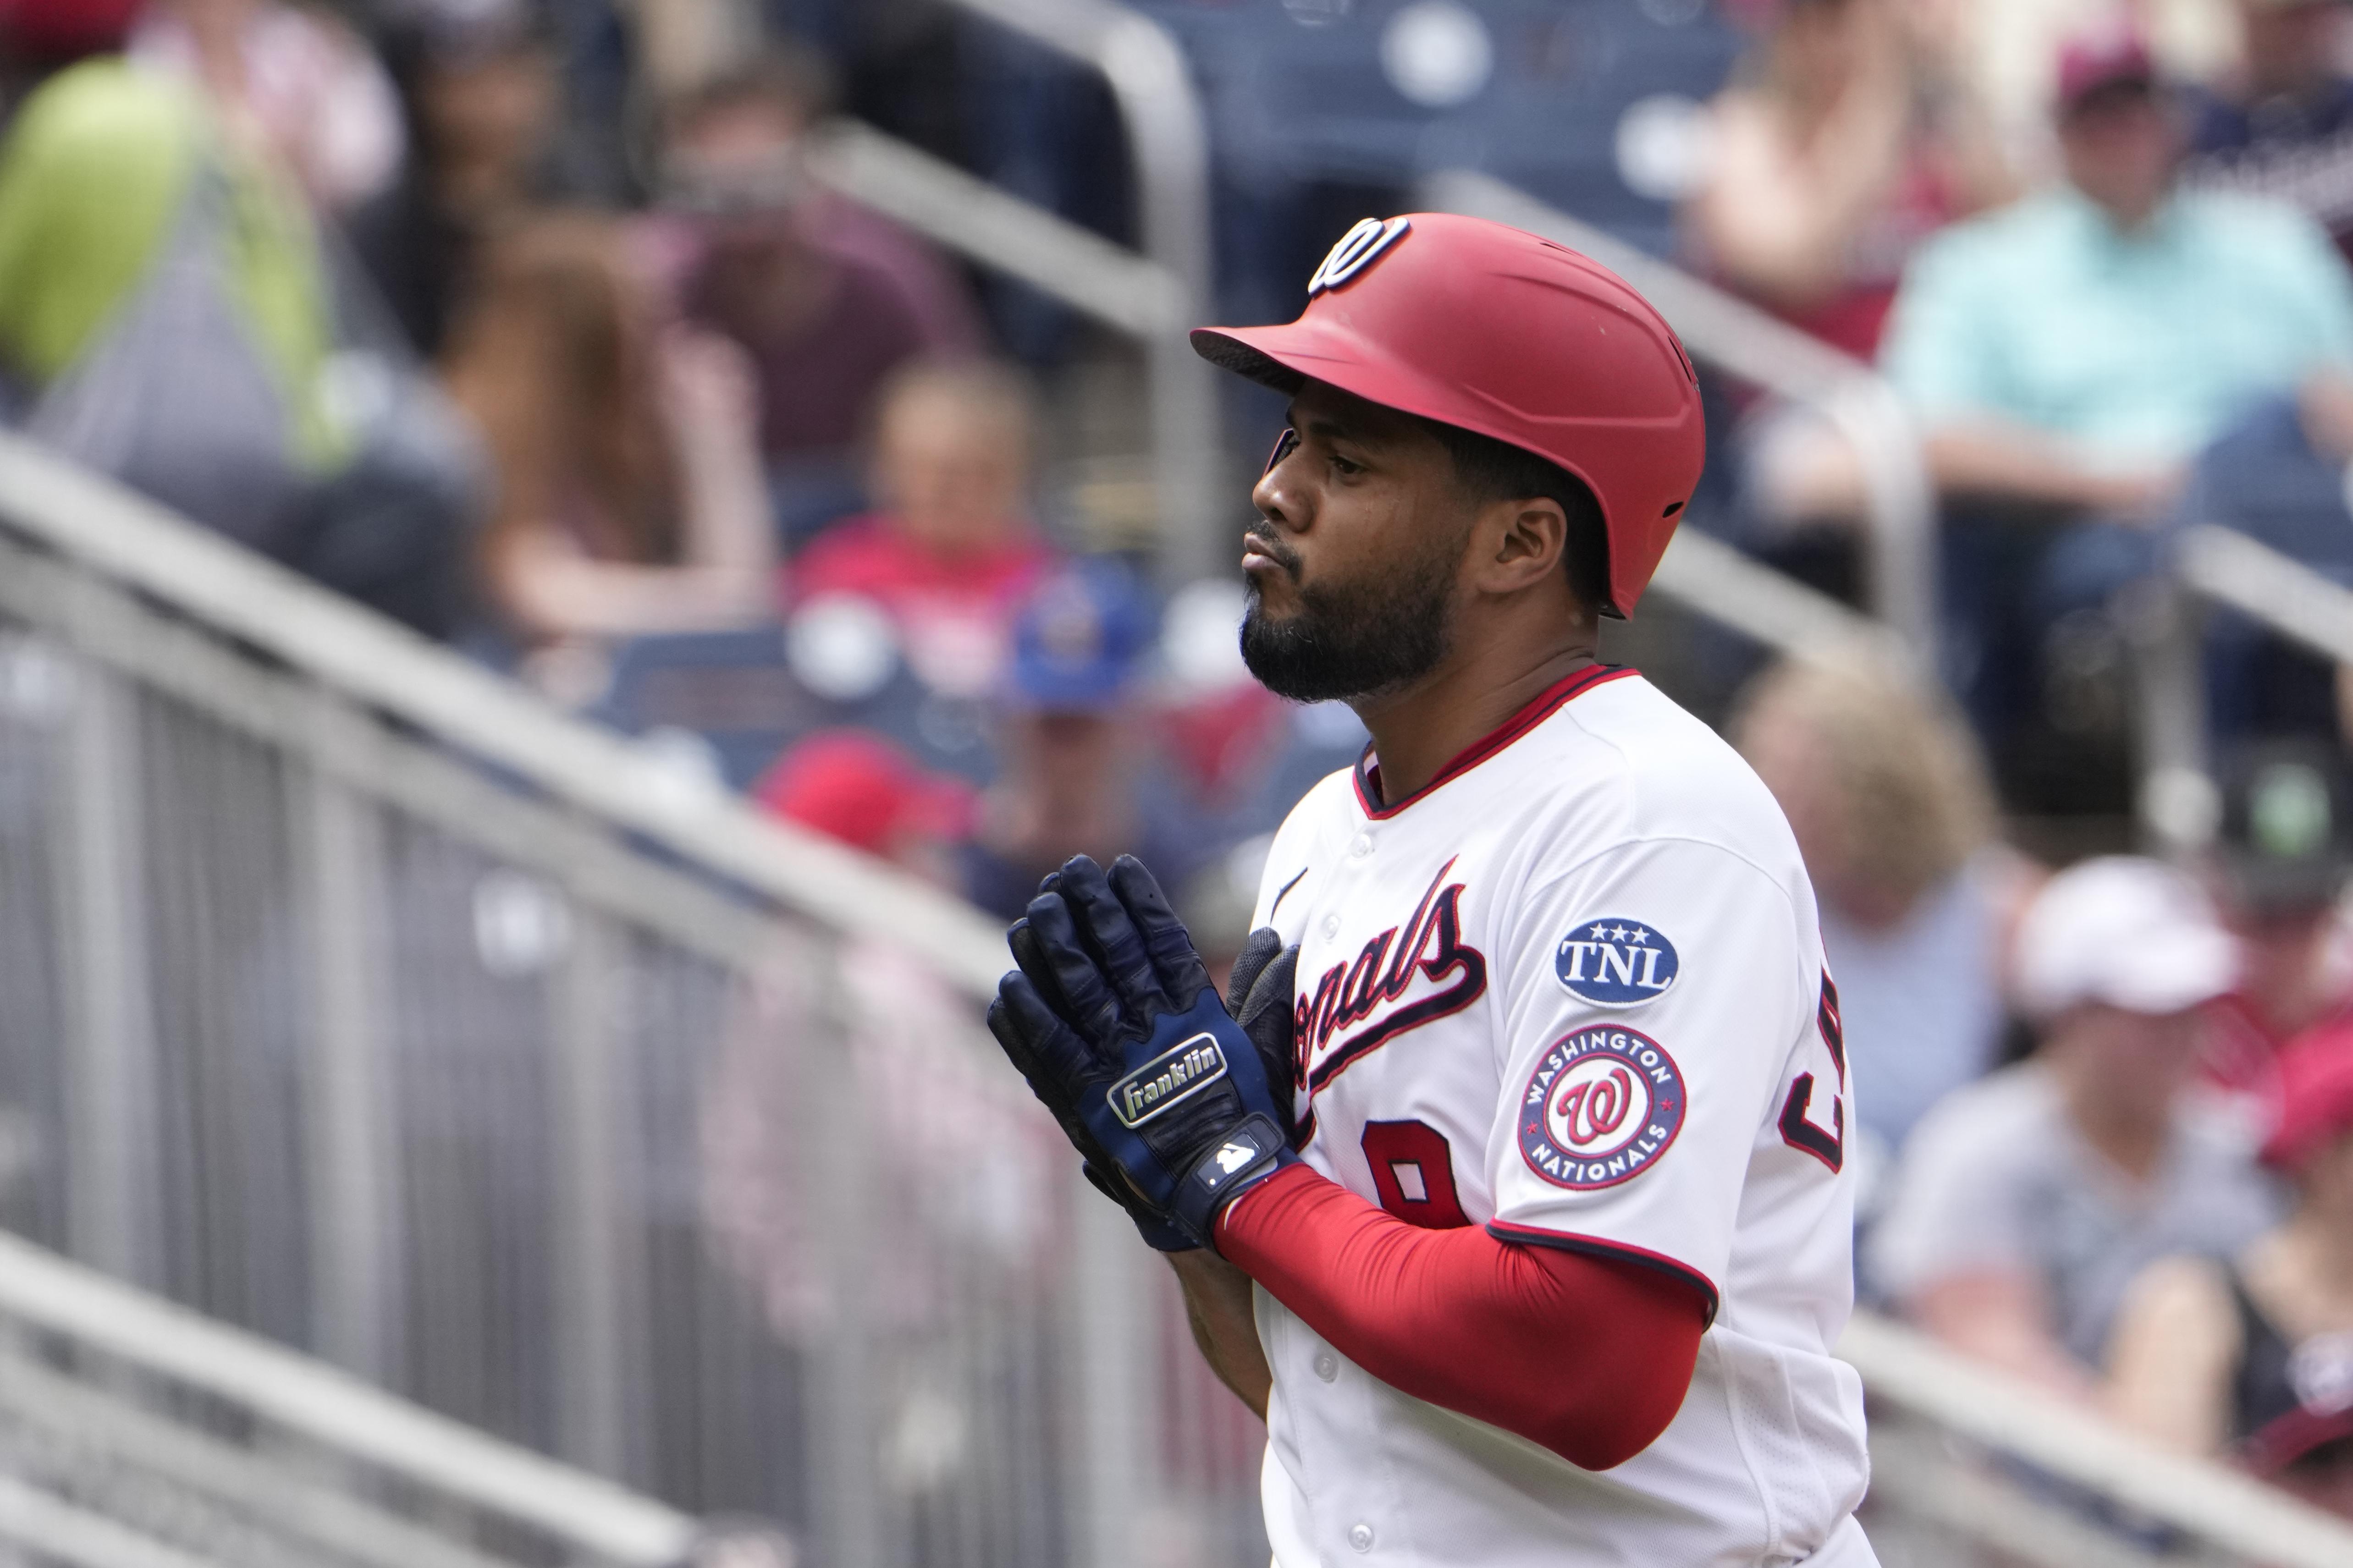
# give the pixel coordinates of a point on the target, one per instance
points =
(2279, 867)
(950, 553)
(2028, 1201)
(869, 795)
(2282, 124)
(1075, 774)
(2249, 1353)
(2071, 357)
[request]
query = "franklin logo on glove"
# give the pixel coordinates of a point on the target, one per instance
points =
(1175, 1106)
(1162, 1082)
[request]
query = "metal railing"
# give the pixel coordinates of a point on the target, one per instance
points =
(1129, 294)
(354, 996)
(1771, 608)
(2177, 802)
(1962, 1453)
(133, 1432)
(1753, 346)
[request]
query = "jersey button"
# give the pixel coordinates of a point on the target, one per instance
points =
(1360, 1536)
(1327, 1365)
(1332, 924)
(1362, 846)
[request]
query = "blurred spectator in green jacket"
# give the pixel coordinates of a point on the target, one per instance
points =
(167, 317)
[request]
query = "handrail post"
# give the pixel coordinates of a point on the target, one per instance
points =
(599, 1320)
(1169, 140)
(356, 1256)
(1114, 1325)
(2179, 805)
(2174, 795)
(1900, 509)
(842, 1437)
(111, 1065)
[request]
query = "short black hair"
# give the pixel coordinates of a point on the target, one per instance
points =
(1493, 470)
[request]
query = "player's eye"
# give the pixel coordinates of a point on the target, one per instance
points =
(1344, 467)
(1284, 445)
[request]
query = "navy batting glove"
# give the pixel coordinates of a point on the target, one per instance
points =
(1025, 1041)
(1260, 995)
(1115, 1014)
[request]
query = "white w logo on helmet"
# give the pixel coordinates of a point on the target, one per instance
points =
(1355, 251)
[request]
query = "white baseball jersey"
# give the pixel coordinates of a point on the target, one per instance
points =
(1573, 991)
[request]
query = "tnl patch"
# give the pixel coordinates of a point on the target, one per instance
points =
(1601, 1106)
(1171, 1076)
(1616, 962)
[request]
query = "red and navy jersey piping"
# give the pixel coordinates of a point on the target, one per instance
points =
(1624, 1252)
(1536, 711)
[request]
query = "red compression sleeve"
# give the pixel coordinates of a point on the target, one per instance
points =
(1588, 1356)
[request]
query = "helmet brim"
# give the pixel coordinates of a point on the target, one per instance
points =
(1286, 357)
(1235, 349)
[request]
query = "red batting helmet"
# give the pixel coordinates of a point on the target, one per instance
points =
(1476, 324)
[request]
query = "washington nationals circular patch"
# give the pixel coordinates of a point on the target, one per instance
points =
(1602, 1104)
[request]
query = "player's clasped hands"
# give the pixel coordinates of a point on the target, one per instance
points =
(1176, 1108)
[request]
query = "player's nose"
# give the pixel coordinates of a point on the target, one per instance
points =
(1280, 498)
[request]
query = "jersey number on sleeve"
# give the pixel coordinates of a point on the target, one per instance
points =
(1413, 1170)
(1796, 1131)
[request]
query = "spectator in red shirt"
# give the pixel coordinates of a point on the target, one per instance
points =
(951, 553)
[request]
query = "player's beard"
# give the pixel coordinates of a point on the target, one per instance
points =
(1348, 640)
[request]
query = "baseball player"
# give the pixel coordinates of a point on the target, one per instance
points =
(1510, 1183)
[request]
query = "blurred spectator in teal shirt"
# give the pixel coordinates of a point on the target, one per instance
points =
(2080, 346)
(2083, 364)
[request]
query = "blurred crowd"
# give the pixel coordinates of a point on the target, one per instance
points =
(2103, 1114)
(2105, 1105)
(532, 324)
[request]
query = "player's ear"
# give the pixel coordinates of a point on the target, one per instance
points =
(1518, 543)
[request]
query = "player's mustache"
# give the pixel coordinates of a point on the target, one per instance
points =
(1281, 554)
